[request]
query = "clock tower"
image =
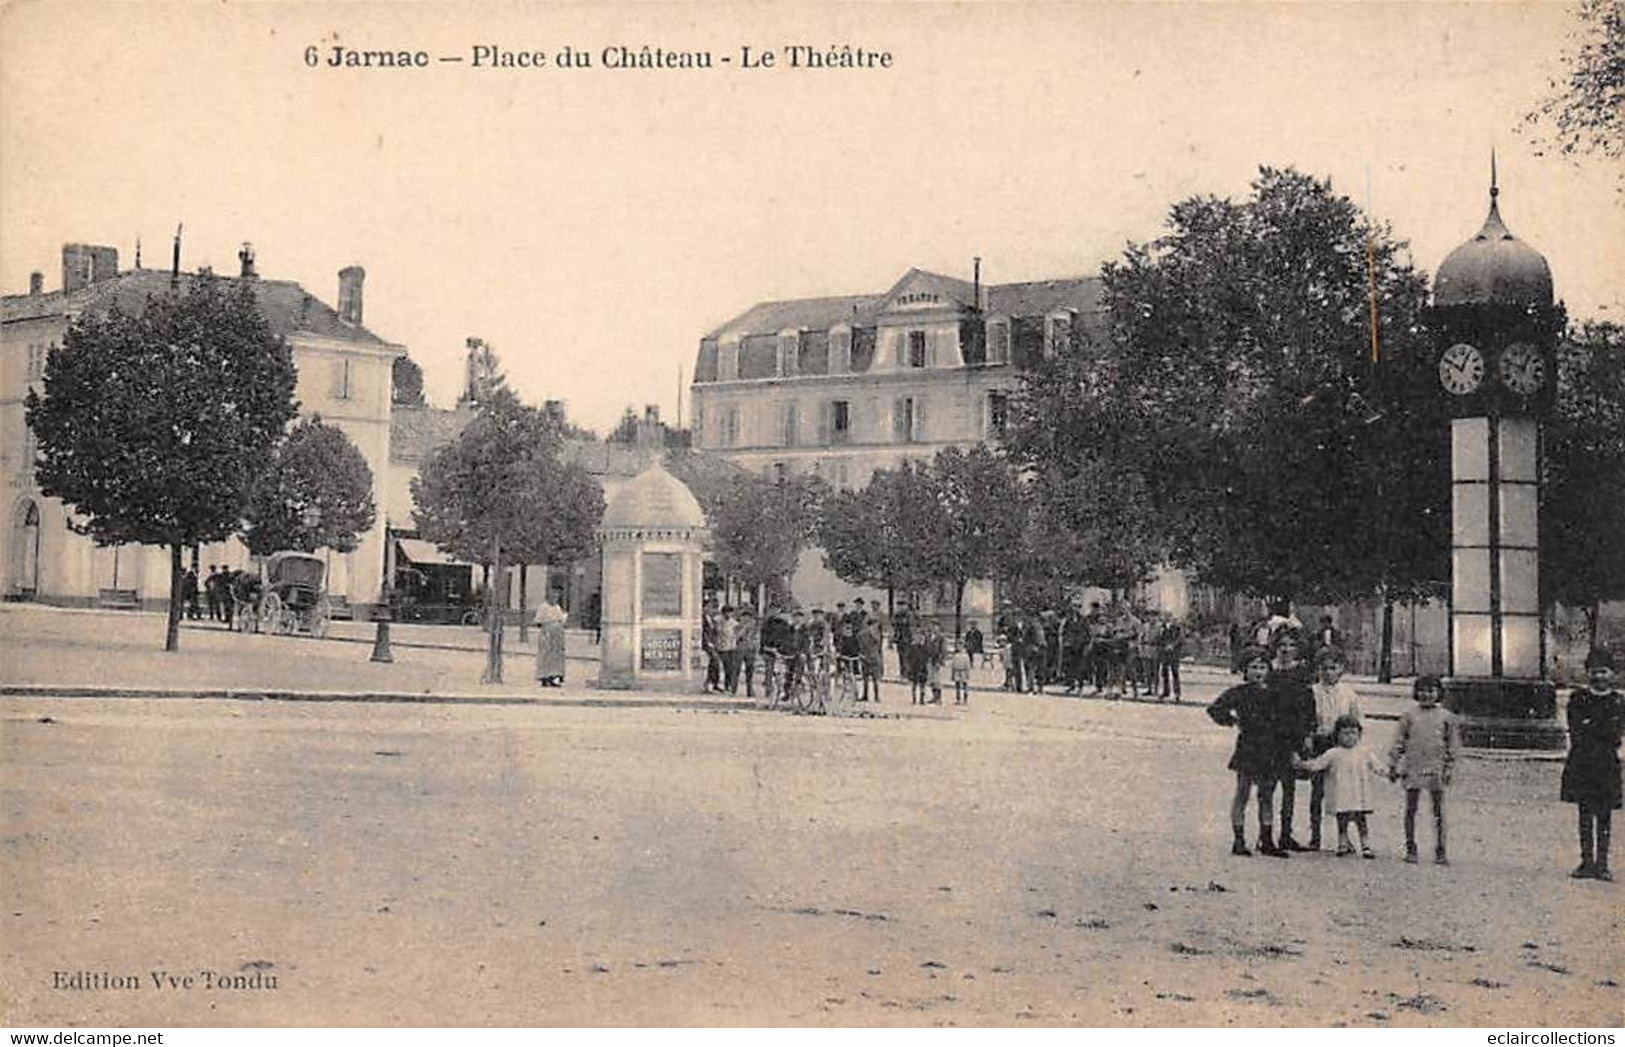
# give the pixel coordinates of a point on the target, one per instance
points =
(1495, 327)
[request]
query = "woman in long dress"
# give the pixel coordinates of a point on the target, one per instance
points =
(549, 646)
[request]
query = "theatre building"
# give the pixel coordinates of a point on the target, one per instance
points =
(344, 375)
(845, 386)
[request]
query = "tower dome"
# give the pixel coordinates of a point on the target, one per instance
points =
(1493, 267)
(654, 499)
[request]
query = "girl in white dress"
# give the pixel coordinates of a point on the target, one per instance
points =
(1349, 768)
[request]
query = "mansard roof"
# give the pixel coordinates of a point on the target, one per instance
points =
(287, 306)
(1033, 298)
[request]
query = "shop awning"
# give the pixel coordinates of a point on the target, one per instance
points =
(418, 551)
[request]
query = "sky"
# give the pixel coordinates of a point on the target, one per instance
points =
(592, 224)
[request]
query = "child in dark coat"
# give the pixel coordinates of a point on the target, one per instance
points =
(1591, 774)
(1265, 743)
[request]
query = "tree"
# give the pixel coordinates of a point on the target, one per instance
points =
(1091, 511)
(980, 522)
(626, 430)
(406, 383)
(1583, 515)
(479, 498)
(881, 536)
(759, 527)
(153, 426)
(1231, 417)
(1585, 112)
(316, 493)
(559, 525)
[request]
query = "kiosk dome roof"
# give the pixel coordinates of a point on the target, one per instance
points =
(1493, 267)
(654, 498)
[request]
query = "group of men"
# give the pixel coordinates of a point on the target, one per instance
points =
(215, 591)
(1112, 649)
(848, 640)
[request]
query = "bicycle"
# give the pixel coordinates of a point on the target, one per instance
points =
(809, 691)
(848, 670)
(774, 670)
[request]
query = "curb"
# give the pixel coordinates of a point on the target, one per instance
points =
(359, 697)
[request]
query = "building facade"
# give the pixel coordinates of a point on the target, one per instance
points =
(846, 386)
(344, 375)
(843, 387)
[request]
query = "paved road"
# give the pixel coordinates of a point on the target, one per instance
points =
(1025, 861)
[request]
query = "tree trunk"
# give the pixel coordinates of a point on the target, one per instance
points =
(1385, 653)
(1593, 613)
(524, 619)
(959, 606)
(172, 632)
(493, 649)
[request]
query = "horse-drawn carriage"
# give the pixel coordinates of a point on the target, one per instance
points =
(286, 597)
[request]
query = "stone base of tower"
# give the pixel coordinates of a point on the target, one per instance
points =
(1505, 713)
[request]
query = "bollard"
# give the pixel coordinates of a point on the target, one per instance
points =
(380, 640)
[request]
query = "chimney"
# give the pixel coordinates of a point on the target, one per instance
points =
(246, 257)
(350, 278)
(36, 283)
(554, 411)
(976, 265)
(86, 264)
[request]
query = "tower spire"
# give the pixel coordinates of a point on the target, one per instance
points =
(1495, 188)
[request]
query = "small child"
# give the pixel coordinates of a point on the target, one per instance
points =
(1426, 744)
(1591, 774)
(1263, 750)
(1350, 768)
(959, 669)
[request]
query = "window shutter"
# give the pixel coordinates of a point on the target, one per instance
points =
(825, 425)
(919, 419)
(930, 350)
(899, 421)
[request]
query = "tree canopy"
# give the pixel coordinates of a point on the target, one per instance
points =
(1583, 547)
(943, 522)
(315, 493)
(1230, 417)
(880, 535)
(406, 383)
(759, 528)
(501, 493)
(1584, 112)
(153, 426)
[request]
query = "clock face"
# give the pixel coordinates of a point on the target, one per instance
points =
(1523, 370)
(1461, 368)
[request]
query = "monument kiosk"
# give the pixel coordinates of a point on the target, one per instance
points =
(652, 533)
(1496, 329)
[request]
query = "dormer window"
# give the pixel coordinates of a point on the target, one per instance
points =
(840, 350)
(728, 361)
(998, 341)
(916, 349)
(789, 354)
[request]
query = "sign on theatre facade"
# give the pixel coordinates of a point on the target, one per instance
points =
(652, 534)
